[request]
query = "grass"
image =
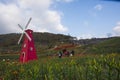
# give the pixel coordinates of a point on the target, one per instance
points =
(85, 67)
(111, 45)
(99, 65)
(11, 57)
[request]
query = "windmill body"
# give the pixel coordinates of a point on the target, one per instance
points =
(28, 51)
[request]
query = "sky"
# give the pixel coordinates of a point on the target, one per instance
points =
(78, 18)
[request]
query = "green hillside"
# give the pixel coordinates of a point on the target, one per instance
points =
(43, 41)
(111, 45)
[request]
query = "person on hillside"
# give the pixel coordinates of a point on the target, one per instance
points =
(60, 54)
(72, 53)
(67, 53)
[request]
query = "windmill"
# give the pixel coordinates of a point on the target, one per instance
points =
(28, 51)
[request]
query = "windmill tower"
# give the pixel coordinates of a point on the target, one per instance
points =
(28, 51)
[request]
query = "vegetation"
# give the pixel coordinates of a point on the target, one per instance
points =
(43, 41)
(86, 67)
(95, 59)
(111, 45)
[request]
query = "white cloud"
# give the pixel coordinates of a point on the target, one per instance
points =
(118, 23)
(98, 7)
(9, 17)
(117, 29)
(95, 10)
(43, 18)
(86, 36)
(90, 36)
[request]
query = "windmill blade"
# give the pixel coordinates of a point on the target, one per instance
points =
(20, 38)
(28, 36)
(23, 29)
(20, 27)
(21, 34)
(28, 23)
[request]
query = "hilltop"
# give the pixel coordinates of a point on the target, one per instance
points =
(46, 42)
(8, 42)
(107, 45)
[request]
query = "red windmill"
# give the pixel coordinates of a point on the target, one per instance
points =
(28, 51)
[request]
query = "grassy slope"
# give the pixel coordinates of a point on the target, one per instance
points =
(111, 45)
(8, 44)
(43, 41)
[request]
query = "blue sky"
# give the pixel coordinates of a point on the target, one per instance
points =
(89, 18)
(79, 18)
